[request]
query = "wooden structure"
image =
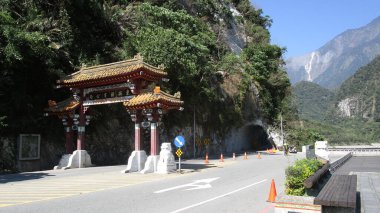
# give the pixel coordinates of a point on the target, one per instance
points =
(120, 82)
(65, 110)
(313, 179)
(149, 108)
(338, 195)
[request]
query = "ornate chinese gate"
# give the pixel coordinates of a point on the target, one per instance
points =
(120, 82)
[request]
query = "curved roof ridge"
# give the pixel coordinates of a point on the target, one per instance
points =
(62, 106)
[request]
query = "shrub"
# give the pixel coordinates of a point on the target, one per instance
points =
(298, 173)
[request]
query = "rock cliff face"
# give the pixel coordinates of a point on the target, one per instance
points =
(349, 107)
(359, 96)
(337, 60)
(358, 107)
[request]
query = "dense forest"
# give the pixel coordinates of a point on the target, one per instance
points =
(313, 101)
(41, 41)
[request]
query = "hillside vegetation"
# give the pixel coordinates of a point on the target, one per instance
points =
(362, 94)
(312, 100)
(348, 116)
(41, 41)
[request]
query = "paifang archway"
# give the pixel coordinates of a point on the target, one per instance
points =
(120, 82)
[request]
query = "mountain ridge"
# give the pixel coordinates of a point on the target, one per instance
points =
(339, 58)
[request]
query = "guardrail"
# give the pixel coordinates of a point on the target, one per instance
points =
(334, 166)
(354, 150)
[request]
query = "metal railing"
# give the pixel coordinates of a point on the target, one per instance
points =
(354, 149)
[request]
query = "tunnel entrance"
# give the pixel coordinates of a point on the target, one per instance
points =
(256, 136)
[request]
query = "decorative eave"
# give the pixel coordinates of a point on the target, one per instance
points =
(113, 73)
(156, 99)
(66, 107)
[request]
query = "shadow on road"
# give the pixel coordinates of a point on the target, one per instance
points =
(23, 177)
(196, 167)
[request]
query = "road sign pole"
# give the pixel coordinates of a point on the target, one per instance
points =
(179, 142)
(179, 164)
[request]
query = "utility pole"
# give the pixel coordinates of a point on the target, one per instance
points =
(282, 133)
(194, 130)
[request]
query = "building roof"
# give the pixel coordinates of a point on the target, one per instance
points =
(113, 73)
(156, 99)
(65, 107)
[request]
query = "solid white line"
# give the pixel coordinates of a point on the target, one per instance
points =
(212, 199)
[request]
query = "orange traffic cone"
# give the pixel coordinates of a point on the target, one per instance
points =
(259, 156)
(245, 156)
(206, 160)
(221, 158)
(272, 192)
(233, 156)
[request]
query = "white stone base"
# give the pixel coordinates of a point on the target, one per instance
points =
(151, 164)
(63, 162)
(79, 159)
(166, 163)
(136, 161)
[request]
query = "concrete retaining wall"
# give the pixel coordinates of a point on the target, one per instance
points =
(286, 204)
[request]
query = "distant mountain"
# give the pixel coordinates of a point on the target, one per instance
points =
(337, 60)
(312, 100)
(351, 115)
(359, 96)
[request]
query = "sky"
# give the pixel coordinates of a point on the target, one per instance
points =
(303, 26)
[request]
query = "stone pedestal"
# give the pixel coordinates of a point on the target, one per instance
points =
(166, 163)
(79, 159)
(63, 162)
(151, 164)
(136, 162)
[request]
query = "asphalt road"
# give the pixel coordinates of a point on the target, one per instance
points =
(231, 186)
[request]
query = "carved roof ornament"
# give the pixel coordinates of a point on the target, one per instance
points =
(52, 103)
(64, 107)
(161, 66)
(177, 95)
(139, 57)
(157, 90)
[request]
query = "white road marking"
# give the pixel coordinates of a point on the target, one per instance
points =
(195, 184)
(15, 193)
(212, 199)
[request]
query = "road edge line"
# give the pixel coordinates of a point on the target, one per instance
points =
(215, 198)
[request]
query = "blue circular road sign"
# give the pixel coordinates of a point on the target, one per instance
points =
(179, 141)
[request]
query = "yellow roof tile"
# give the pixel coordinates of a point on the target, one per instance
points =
(105, 71)
(146, 99)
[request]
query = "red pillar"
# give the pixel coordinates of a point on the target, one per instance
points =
(81, 126)
(69, 139)
(80, 140)
(137, 137)
(153, 139)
